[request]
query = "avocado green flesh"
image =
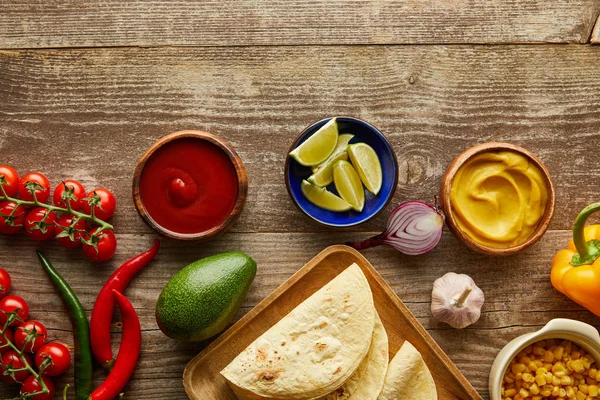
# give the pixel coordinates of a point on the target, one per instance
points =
(201, 300)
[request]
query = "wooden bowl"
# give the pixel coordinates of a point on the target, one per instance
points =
(242, 180)
(450, 217)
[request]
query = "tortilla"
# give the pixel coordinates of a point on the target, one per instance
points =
(367, 381)
(408, 377)
(314, 349)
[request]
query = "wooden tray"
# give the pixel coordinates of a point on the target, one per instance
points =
(202, 380)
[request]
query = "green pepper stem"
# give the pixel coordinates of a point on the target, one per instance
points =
(585, 249)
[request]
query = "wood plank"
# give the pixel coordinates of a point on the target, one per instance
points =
(94, 112)
(73, 23)
(519, 296)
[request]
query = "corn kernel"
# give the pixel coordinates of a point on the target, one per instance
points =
(516, 368)
(534, 389)
(510, 392)
(524, 393)
(558, 352)
(593, 390)
(527, 377)
(548, 356)
(540, 380)
(584, 389)
(532, 366)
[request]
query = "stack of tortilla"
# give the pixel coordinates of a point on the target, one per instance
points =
(332, 346)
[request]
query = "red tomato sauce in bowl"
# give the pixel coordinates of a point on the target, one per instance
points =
(188, 185)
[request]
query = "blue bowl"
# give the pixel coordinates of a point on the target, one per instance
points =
(363, 132)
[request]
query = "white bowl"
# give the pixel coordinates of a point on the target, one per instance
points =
(584, 335)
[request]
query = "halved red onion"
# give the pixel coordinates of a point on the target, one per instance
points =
(413, 228)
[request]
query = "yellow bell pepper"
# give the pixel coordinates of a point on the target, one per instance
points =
(576, 269)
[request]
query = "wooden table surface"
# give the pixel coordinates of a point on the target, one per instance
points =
(87, 87)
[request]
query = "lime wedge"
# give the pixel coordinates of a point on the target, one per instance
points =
(324, 175)
(367, 165)
(348, 184)
(341, 147)
(323, 198)
(317, 147)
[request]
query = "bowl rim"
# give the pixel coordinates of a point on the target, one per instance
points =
(577, 331)
(242, 183)
(372, 129)
(446, 185)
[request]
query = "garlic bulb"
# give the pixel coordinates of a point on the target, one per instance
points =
(456, 300)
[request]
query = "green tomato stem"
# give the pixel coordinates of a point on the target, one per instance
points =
(27, 367)
(103, 225)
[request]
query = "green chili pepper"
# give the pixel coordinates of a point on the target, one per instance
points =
(81, 331)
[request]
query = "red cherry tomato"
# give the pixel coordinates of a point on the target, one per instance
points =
(73, 190)
(106, 245)
(31, 385)
(64, 232)
(106, 203)
(11, 178)
(11, 224)
(30, 336)
(41, 194)
(38, 230)
(59, 355)
(11, 303)
(11, 358)
(4, 347)
(5, 283)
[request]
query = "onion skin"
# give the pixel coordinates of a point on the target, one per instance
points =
(413, 228)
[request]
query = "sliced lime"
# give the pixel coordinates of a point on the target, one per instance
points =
(348, 184)
(341, 147)
(318, 146)
(367, 165)
(323, 198)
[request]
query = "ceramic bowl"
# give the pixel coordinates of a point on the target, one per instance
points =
(242, 181)
(450, 216)
(363, 132)
(580, 333)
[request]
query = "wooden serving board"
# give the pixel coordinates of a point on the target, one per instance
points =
(202, 380)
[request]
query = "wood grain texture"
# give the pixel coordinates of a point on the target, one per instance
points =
(519, 296)
(94, 112)
(75, 23)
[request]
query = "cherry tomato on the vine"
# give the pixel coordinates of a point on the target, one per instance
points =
(64, 232)
(38, 230)
(59, 355)
(106, 203)
(11, 180)
(41, 194)
(73, 190)
(30, 336)
(11, 303)
(5, 283)
(106, 245)
(12, 359)
(4, 347)
(11, 221)
(31, 385)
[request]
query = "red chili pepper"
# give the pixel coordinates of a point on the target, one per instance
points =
(129, 352)
(104, 307)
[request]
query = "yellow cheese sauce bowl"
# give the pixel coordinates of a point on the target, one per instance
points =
(535, 179)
